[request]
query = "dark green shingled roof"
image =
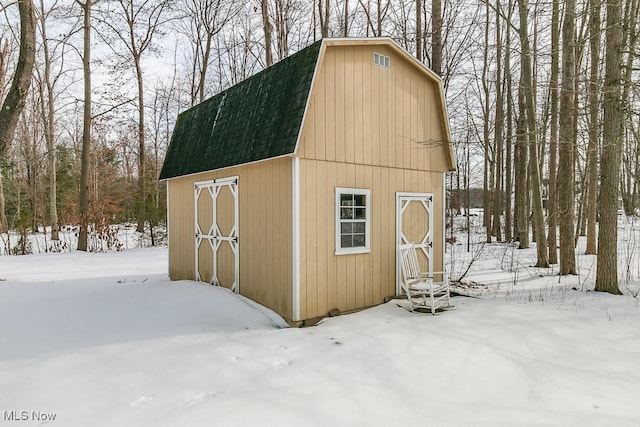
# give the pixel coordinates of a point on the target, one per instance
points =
(256, 119)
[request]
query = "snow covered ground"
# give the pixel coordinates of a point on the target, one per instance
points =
(109, 238)
(107, 340)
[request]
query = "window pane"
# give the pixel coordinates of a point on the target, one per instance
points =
(358, 240)
(346, 199)
(353, 216)
(346, 227)
(346, 213)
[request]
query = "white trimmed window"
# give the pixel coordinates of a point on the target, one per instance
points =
(381, 60)
(353, 221)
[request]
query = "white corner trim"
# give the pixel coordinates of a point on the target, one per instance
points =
(444, 220)
(295, 201)
(168, 232)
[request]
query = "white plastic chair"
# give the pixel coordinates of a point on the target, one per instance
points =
(422, 291)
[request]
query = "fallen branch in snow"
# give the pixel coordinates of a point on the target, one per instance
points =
(474, 258)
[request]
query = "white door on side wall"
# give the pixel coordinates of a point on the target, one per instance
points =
(216, 232)
(414, 224)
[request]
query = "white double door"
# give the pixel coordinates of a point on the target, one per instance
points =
(216, 232)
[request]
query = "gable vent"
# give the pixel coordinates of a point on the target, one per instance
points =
(381, 60)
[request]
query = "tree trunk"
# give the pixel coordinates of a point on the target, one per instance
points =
(202, 80)
(86, 127)
(607, 263)
(345, 32)
(324, 17)
(282, 30)
(536, 196)
(4, 55)
(15, 100)
(499, 123)
(267, 27)
(436, 36)
(566, 173)
(486, 199)
(48, 119)
(419, 30)
(553, 140)
(508, 217)
(4, 226)
(629, 39)
(327, 14)
(142, 184)
(4, 59)
(379, 19)
(594, 126)
(521, 209)
(508, 223)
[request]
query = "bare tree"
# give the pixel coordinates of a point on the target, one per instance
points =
(47, 108)
(521, 156)
(142, 22)
(324, 15)
(534, 175)
(607, 263)
(4, 63)
(287, 17)
(15, 99)
(436, 36)
(631, 148)
(566, 173)
(86, 124)
(238, 52)
(283, 26)
(553, 139)
(508, 222)
(4, 57)
(203, 22)
(268, 29)
(594, 127)
(498, 131)
(374, 23)
(488, 166)
(345, 32)
(419, 35)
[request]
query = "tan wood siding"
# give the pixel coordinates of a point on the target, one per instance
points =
(363, 113)
(265, 231)
(366, 127)
(348, 282)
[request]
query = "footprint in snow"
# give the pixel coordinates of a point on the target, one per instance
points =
(281, 365)
(281, 347)
(202, 397)
(143, 399)
(238, 358)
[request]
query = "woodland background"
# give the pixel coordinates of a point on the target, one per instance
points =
(542, 99)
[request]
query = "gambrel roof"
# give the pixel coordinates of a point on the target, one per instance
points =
(257, 119)
(261, 117)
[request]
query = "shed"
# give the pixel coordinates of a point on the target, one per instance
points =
(295, 187)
